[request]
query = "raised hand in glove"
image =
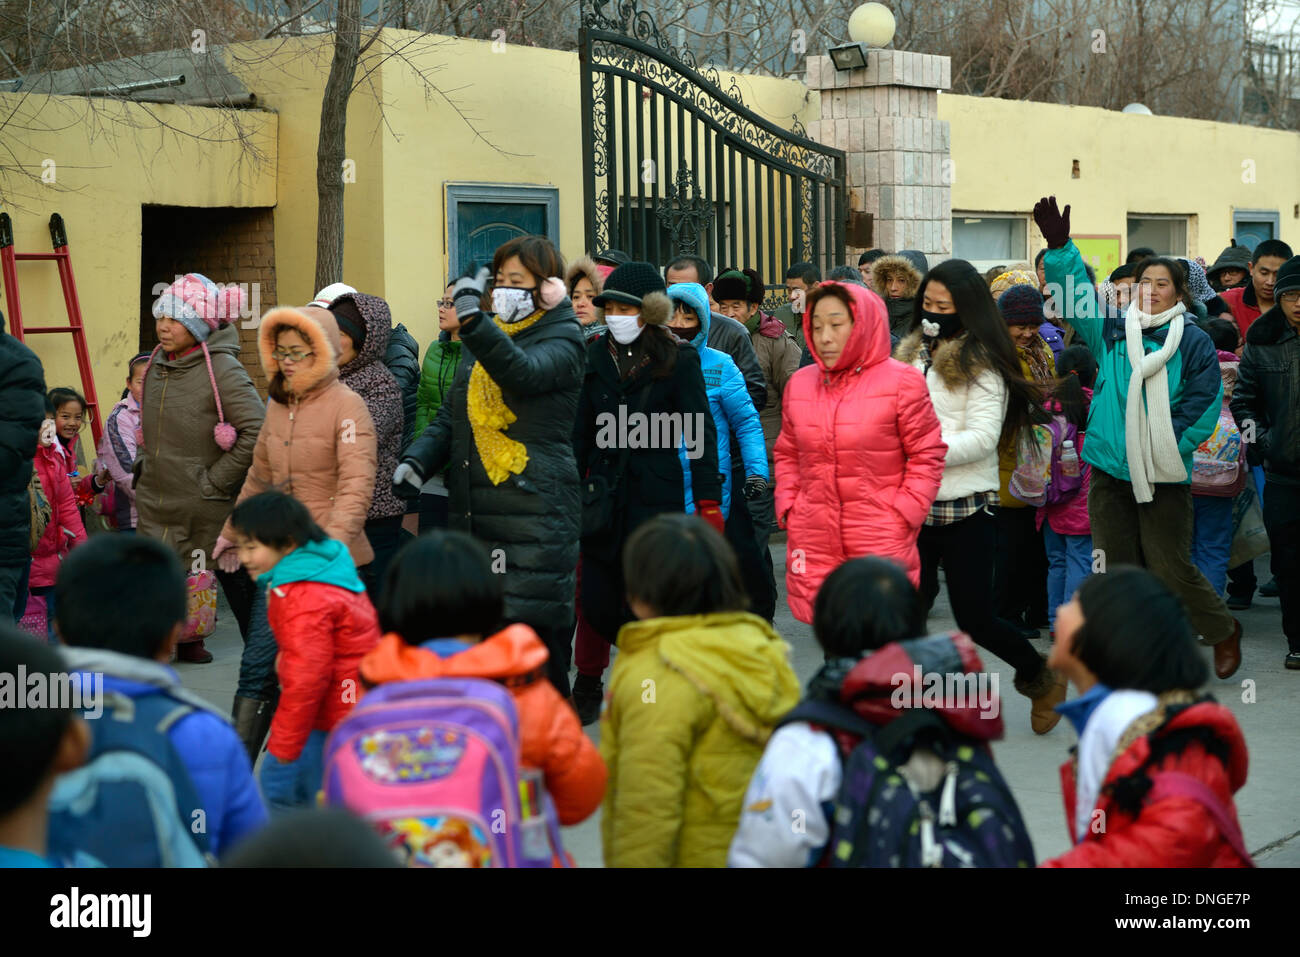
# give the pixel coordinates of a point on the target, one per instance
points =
(407, 481)
(711, 512)
(1052, 223)
(468, 294)
(755, 486)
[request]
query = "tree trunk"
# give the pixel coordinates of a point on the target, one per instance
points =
(331, 148)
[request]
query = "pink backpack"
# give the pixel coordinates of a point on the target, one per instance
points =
(433, 765)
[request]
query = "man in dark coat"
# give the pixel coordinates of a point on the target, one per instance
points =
(530, 520)
(1266, 405)
(22, 410)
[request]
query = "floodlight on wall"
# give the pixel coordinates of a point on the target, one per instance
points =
(870, 25)
(851, 56)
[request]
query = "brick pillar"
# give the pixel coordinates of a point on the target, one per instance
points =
(884, 117)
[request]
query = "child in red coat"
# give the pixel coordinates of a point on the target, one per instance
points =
(1151, 781)
(65, 528)
(323, 624)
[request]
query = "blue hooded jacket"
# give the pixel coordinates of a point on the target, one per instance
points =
(207, 744)
(728, 401)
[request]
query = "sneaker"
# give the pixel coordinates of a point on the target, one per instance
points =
(1293, 661)
(1268, 589)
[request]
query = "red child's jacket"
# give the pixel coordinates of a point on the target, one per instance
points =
(65, 528)
(323, 630)
(1177, 831)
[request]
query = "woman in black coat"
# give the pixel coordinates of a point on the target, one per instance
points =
(643, 396)
(505, 427)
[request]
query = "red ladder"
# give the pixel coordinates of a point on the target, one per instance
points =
(63, 257)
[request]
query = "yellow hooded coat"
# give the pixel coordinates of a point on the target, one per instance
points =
(692, 702)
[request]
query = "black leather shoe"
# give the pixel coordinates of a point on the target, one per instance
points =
(588, 696)
(1293, 661)
(1268, 589)
(1238, 602)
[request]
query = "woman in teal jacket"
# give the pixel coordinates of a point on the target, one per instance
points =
(1145, 422)
(733, 410)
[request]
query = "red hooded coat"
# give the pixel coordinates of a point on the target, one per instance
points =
(1174, 832)
(859, 458)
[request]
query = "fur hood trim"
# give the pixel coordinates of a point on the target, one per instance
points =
(889, 267)
(943, 359)
(322, 334)
(584, 267)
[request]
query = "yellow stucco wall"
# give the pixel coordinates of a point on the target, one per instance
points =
(408, 140)
(106, 167)
(1008, 153)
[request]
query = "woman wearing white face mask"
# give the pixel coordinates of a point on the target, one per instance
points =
(643, 396)
(504, 432)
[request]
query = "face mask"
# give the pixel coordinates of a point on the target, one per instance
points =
(512, 304)
(940, 324)
(48, 432)
(624, 329)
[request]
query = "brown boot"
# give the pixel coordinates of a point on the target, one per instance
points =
(1227, 654)
(1045, 691)
(193, 652)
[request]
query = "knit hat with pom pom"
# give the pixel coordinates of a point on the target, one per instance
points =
(199, 304)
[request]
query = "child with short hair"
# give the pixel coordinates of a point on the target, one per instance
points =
(442, 612)
(323, 624)
(695, 690)
(1151, 781)
(121, 610)
(64, 528)
(39, 744)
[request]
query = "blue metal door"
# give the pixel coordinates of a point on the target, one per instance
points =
(482, 227)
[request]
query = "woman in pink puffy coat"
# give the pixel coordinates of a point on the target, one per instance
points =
(860, 454)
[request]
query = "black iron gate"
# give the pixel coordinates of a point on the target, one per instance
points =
(674, 164)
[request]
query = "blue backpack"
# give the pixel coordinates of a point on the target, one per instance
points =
(883, 818)
(131, 803)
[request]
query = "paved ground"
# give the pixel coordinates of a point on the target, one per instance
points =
(1268, 805)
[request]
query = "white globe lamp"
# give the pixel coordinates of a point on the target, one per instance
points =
(872, 24)
(1137, 108)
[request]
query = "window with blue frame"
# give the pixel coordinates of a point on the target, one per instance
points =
(482, 216)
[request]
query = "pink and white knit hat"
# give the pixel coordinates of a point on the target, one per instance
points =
(198, 304)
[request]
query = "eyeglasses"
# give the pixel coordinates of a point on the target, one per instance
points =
(1290, 298)
(282, 355)
(446, 303)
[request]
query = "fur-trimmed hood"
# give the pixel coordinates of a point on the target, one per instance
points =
(322, 334)
(943, 358)
(890, 267)
(583, 266)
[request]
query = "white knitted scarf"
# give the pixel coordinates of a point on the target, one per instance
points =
(1152, 449)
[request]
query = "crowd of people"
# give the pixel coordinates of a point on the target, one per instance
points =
(600, 457)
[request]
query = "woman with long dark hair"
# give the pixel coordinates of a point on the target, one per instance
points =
(960, 342)
(1158, 397)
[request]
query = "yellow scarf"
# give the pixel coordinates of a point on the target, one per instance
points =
(489, 417)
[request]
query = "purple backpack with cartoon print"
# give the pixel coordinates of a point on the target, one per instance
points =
(433, 764)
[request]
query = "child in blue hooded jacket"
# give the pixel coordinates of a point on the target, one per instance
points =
(732, 409)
